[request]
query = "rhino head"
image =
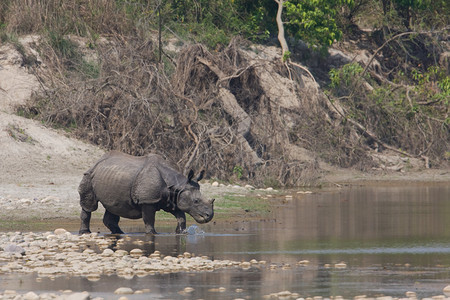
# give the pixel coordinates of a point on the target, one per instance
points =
(191, 201)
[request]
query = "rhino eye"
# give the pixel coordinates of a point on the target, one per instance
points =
(196, 201)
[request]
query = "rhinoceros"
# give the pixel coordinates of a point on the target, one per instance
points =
(137, 187)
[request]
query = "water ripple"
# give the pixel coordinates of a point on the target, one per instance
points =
(424, 249)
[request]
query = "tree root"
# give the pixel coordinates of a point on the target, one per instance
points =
(232, 107)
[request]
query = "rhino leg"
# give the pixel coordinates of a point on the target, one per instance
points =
(148, 215)
(88, 200)
(85, 220)
(181, 218)
(112, 222)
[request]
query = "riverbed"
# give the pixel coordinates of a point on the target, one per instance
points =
(372, 241)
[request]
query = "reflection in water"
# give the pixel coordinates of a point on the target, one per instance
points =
(392, 239)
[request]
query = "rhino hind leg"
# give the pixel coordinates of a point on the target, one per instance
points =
(112, 222)
(88, 201)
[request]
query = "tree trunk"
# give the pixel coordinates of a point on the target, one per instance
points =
(281, 38)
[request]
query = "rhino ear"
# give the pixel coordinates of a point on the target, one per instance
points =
(190, 175)
(200, 176)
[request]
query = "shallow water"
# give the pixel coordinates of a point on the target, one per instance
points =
(393, 239)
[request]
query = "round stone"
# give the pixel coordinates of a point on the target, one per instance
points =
(60, 231)
(136, 253)
(447, 291)
(123, 291)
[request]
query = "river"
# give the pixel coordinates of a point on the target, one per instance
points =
(371, 240)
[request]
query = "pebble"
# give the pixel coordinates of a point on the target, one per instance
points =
(410, 294)
(123, 291)
(446, 290)
(136, 253)
(13, 248)
(304, 192)
(50, 199)
(303, 262)
(341, 265)
(30, 296)
(79, 296)
(60, 231)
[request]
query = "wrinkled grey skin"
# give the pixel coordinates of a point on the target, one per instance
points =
(137, 187)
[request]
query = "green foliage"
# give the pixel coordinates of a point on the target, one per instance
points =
(432, 85)
(286, 55)
(255, 26)
(89, 69)
(417, 13)
(238, 171)
(258, 18)
(314, 21)
(208, 35)
(65, 47)
(411, 119)
(209, 22)
(345, 78)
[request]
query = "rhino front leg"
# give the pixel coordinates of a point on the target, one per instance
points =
(148, 215)
(85, 221)
(181, 218)
(112, 222)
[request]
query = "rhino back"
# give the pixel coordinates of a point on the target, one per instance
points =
(112, 180)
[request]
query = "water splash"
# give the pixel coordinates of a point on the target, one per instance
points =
(194, 230)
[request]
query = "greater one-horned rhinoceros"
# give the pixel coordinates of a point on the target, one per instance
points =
(136, 187)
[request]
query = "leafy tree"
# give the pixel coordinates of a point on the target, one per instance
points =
(314, 21)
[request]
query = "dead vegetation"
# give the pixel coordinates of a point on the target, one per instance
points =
(232, 113)
(240, 113)
(212, 113)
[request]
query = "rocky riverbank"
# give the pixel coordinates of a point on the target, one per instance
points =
(59, 253)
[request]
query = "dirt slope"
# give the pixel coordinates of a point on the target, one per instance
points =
(37, 164)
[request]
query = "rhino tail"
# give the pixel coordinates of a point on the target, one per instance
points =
(88, 200)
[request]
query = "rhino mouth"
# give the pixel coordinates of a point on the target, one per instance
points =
(204, 218)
